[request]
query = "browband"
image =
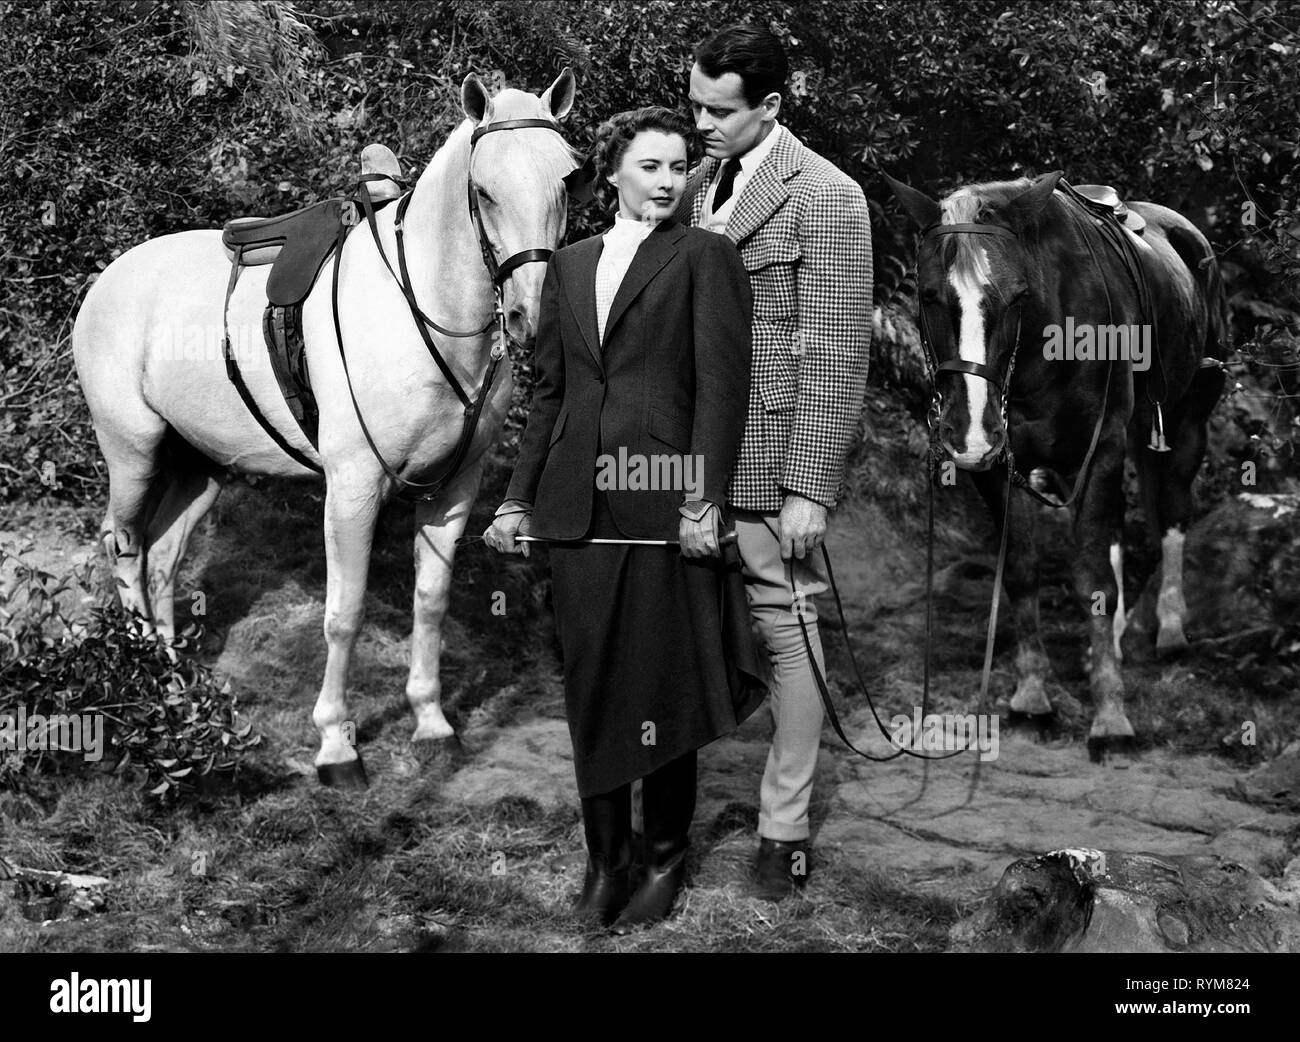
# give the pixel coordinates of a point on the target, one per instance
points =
(974, 229)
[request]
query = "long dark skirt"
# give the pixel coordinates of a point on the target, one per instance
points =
(651, 667)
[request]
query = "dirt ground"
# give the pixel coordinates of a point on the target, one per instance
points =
(478, 845)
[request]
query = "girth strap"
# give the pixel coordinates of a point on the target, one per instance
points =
(237, 378)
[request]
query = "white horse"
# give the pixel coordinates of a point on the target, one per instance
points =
(147, 345)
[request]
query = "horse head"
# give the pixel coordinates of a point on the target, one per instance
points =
(979, 287)
(517, 188)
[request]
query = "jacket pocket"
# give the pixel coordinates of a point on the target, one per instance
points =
(669, 430)
(761, 253)
(558, 429)
(773, 266)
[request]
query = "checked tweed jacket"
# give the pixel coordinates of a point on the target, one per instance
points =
(804, 235)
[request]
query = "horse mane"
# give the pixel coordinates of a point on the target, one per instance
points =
(964, 255)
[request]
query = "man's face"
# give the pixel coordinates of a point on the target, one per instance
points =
(723, 117)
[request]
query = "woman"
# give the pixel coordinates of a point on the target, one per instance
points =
(642, 365)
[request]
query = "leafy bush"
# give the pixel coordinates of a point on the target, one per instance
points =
(159, 716)
(127, 120)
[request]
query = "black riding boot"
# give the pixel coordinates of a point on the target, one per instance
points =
(667, 805)
(607, 822)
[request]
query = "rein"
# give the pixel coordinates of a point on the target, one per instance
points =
(499, 273)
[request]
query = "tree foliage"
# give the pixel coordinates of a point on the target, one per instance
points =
(125, 120)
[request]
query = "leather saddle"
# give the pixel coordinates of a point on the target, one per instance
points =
(1105, 198)
(297, 244)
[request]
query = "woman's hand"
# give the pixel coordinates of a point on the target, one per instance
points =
(500, 535)
(699, 538)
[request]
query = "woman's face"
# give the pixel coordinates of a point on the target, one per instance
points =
(651, 176)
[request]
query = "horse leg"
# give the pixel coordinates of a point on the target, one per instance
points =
(1173, 494)
(1099, 524)
(1020, 580)
(438, 525)
(1121, 619)
(133, 467)
(186, 499)
(351, 508)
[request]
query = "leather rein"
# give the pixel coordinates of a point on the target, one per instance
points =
(499, 273)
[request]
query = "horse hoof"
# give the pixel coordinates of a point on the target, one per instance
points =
(351, 774)
(1102, 745)
(447, 750)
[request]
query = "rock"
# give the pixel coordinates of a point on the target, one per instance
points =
(1241, 571)
(1102, 901)
(50, 896)
(1275, 783)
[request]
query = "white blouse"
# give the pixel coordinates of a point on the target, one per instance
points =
(621, 243)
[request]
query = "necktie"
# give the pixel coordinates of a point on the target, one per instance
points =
(725, 183)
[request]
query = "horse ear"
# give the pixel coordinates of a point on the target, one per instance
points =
(474, 98)
(1025, 208)
(918, 206)
(558, 97)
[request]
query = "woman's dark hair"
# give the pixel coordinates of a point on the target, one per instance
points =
(750, 51)
(615, 135)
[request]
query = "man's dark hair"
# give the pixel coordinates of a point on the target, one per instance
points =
(750, 51)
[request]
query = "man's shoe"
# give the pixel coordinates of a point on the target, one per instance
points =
(781, 867)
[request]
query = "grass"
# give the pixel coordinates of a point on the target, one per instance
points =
(282, 864)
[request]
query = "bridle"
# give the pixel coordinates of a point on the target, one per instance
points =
(935, 368)
(498, 272)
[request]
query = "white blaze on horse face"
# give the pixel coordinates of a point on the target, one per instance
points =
(972, 347)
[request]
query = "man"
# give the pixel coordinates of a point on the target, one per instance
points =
(804, 234)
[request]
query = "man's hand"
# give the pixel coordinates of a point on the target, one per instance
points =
(801, 526)
(501, 534)
(700, 538)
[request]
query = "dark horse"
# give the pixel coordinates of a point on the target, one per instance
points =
(1063, 338)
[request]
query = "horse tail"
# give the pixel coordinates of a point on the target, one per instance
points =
(1218, 334)
(1208, 379)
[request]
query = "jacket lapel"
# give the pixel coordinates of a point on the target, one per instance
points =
(697, 188)
(582, 299)
(765, 192)
(656, 251)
